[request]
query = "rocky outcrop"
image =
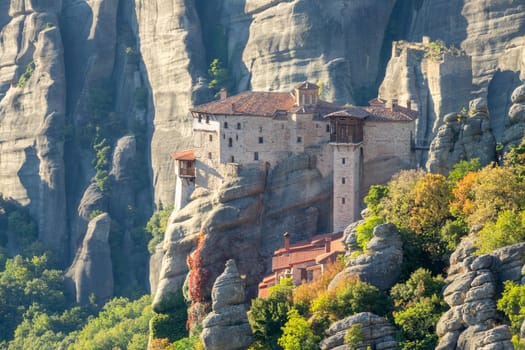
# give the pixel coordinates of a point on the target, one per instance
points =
(229, 314)
(32, 111)
(376, 333)
(91, 271)
(464, 136)
(380, 264)
(473, 283)
(515, 124)
(245, 221)
(433, 84)
(173, 54)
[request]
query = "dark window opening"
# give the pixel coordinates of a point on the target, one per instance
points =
(261, 140)
(232, 159)
(211, 138)
(327, 127)
(343, 180)
(230, 142)
(343, 200)
(200, 118)
(209, 155)
(316, 126)
(207, 119)
(226, 125)
(343, 160)
(299, 139)
(256, 156)
(238, 126)
(236, 137)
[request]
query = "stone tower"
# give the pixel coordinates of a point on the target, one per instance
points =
(346, 140)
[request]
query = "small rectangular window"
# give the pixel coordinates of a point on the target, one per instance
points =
(232, 159)
(211, 138)
(343, 180)
(261, 139)
(236, 137)
(327, 127)
(200, 118)
(316, 126)
(343, 200)
(230, 142)
(299, 139)
(207, 119)
(238, 126)
(226, 125)
(343, 160)
(256, 156)
(209, 155)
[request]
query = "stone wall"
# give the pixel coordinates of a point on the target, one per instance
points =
(387, 149)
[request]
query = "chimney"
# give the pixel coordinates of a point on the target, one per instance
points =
(327, 245)
(223, 93)
(286, 241)
(392, 104)
(409, 104)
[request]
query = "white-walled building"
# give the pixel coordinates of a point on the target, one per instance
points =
(358, 146)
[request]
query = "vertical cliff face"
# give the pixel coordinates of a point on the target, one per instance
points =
(32, 111)
(173, 53)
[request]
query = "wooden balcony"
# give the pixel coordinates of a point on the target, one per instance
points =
(187, 172)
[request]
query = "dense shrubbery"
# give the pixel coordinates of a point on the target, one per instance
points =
(156, 227)
(512, 304)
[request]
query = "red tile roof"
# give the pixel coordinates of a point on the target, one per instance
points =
(253, 103)
(188, 154)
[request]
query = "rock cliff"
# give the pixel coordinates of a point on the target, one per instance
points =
(380, 264)
(244, 221)
(473, 283)
(91, 272)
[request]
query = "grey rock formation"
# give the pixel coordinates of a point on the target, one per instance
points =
(350, 238)
(32, 110)
(380, 265)
(91, 271)
(173, 54)
(463, 137)
(434, 86)
(473, 283)
(245, 221)
(229, 314)
(515, 123)
(377, 333)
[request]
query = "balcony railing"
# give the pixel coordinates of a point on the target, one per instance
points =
(187, 172)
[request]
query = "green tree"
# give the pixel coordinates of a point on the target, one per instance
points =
(156, 227)
(117, 326)
(417, 323)
(421, 284)
(297, 334)
(219, 77)
(268, 316)
(508, 229)
(365, 231)
(375, 194)
(462, 168)
(512, 304)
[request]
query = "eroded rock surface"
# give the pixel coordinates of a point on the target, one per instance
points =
(380, 264)
(377, 333)
(227, 327)
(464, 136)
(515, 123)
(244, 220)
(91, 271)
(473, 283)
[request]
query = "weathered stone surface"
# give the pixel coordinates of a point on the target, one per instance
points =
(377, 332)
(32, 114)
(91, 271)
(469, 138)
(173, 54)
(245, 225)
(227, 327)
(472, 288)
(515, 125)
(380, 265)
(350, 238)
